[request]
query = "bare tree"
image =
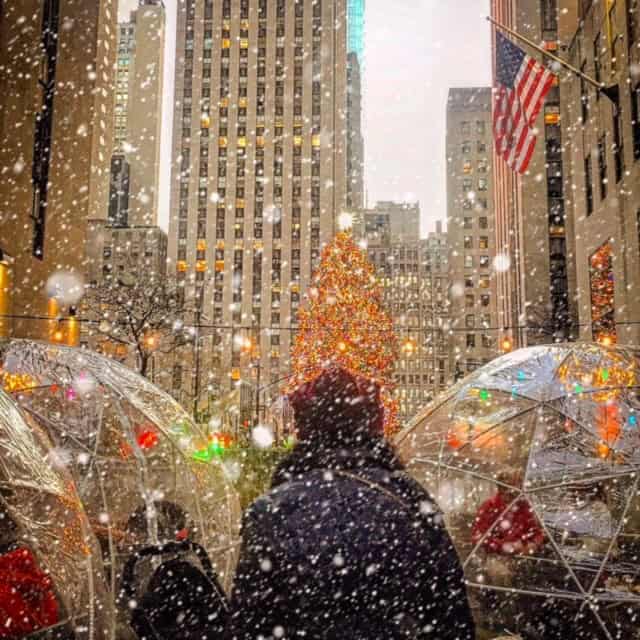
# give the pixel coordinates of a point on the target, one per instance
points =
(145, 314)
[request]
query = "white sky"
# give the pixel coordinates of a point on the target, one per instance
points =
(415, 51)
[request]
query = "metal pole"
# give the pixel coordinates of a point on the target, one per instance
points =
(533, 45)
(258, 393)
(197, 372)
(197, 351)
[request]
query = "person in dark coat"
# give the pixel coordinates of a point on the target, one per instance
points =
(346, 544)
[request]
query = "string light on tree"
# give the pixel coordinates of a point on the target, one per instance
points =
(344, 323)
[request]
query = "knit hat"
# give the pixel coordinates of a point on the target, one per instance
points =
(337, 402)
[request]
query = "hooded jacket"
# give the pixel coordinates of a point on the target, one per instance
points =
(347, 545)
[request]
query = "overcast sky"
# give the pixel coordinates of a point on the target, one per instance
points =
(415, 51)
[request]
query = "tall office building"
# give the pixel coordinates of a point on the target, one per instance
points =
(404, 219)
(602, 160)
(470, 227)
(414, 274)
(259, 175)
(118, 213)
(355, 71)
(355, 139)
(138, 109)
(533, 230)
(56, 126)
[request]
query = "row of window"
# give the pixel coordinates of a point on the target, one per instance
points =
(469, 242)
(467, 126)
(467, 184)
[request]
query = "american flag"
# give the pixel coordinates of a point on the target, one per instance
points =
(523, 84)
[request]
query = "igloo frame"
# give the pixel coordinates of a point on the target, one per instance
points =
(131, 449)
(534, 460)
(40, 499)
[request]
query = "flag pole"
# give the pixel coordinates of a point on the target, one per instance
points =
(598, 85)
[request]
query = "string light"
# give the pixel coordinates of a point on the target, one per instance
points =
(345, 324)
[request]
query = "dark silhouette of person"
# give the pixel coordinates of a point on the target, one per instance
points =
(346, 544)
(28, 601)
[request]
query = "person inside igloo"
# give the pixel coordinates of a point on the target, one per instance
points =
(28, 601)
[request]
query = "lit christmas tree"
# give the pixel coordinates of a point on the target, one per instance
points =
(344, 323)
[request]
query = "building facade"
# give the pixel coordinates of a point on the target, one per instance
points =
(138, 107)
(259, 175)
(56, 126)
(118, 213)
(404, 219)
(471, 228)
(355, 84)
(415, 278)
(602, 155)
(534, 234)
(117, 251)
(355, 138)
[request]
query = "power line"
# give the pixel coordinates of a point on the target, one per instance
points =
(261, 327)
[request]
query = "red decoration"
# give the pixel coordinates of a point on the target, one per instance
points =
(148, 439)
(27, 599)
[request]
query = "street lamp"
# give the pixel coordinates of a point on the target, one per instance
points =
(250, 347)
(507, 345)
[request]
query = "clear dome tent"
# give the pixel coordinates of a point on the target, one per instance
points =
(145, 472)
(45, 538)
(534, 460)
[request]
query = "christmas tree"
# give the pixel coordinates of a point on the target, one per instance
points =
(345, 325)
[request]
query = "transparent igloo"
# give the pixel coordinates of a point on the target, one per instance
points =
(144, 470)
(49, 557)
(534, 460)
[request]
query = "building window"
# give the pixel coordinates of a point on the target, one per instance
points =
(588, 184)
(470, 322)
(482, 184)
(471, 340)
(468, 242)
(597, 65)
(466, 147)
(468, 223)
(602, 285)
(485, 300)
(484, 262)
(550, 15)
(635, 119)
(483, 222)
(484, 282)
(484, 242)
(469, 301)
(467, 185)
(602, 165)
(481, 127)
(465, 128)
(618, 145)
(468, 262)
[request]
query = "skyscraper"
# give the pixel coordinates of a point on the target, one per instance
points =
(259, 175)
(138, 109)
(414, 274)
(56, 125)
(470, 227)
(355, 71)
(533, 231)
(602, 160)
